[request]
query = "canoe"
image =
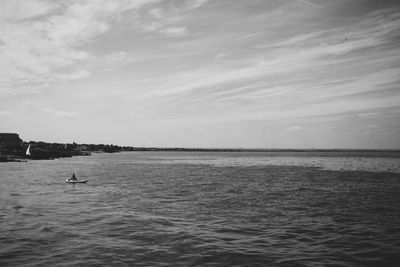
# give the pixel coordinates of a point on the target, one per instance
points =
(76, 181)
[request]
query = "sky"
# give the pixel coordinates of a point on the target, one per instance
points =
(202, 73)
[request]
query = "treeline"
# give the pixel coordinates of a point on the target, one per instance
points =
(14, 149)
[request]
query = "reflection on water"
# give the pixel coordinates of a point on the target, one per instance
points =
(373, 164)
(201, 209)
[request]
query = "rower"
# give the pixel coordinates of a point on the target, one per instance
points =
(73, 178)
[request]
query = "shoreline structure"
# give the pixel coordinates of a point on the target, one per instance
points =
(12, 148)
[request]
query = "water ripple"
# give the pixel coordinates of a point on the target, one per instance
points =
(135, 212)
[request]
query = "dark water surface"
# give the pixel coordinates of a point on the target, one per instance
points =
(202, 209)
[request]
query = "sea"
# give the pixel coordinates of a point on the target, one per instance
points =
(277, 208)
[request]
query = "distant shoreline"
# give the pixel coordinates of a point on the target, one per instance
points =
(395, 153)
(13, 149)
(261, 149)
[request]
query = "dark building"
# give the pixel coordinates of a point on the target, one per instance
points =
(10, 142)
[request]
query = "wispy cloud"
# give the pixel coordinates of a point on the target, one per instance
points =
(198, 3)
(294, 129)
(174, 31)
(310, 50)
(117, 56)
(79, 74)
(5, 112)
(236, 65)
(16, 11)
(55, 31)
(60, 113)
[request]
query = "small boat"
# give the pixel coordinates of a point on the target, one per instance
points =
(76, 181)
(28, 150)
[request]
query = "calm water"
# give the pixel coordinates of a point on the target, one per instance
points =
(203, 209)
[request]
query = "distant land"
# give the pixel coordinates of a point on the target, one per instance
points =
(13, 148)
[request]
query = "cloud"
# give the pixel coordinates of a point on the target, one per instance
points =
(157, 13)
(76, 75)
(264, 61)
(25, 103)
(117, 56)
(61, 113)
(39, 38)
(5, 112)
(220, 56)
(18, 10)
(174, 31)
(308, 3)
(294, 129)
(316, 50)
(198, 3)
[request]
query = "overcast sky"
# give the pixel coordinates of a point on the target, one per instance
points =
(202, 73)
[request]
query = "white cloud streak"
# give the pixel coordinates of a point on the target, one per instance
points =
(60, 113)
(174, 31)
(40, 40)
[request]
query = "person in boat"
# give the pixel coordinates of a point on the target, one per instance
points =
(73, 178)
